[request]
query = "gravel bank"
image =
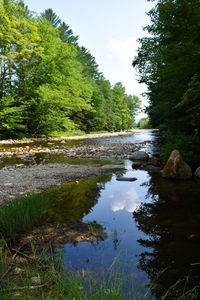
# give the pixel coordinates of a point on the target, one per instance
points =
(15, 181)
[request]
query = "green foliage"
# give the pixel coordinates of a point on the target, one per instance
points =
(50, 83)
(11, 116)
(168, 61)
(144, 123)
(20, 214)
(187, 145)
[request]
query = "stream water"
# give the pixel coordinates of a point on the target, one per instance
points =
(153, 225)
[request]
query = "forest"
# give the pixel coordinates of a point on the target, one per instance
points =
(168, 62)
(49, 83)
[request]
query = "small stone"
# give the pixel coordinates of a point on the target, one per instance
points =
(8, 184)
(18, 270)
(197, 172)
(36, 280)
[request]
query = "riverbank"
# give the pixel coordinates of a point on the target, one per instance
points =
(79, 137)
(16, 181)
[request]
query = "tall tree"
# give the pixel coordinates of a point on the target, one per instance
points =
(52, 17)
(169, 60)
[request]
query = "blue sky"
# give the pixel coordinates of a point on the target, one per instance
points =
(109, 29)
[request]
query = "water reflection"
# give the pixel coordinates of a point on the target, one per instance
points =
(172, 223)
(71, 201)
(128, 200)
(110, 203)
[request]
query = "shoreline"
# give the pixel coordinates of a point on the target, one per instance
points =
(23, 180)
(81, 137)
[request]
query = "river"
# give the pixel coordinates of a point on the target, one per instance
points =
(153, 224)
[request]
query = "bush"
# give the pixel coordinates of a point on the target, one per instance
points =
(187, 145)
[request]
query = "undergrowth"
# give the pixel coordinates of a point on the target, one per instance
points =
(187, 145)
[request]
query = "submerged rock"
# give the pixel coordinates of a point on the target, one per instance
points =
(176, 168)
(139, 155)
(197, 172)
(136, 164)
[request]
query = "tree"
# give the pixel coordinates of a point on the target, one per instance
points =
(169, 59)
(51, 16)
(18, 44)
(66, 34)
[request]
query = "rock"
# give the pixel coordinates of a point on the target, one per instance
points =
(197, 172)
(139, 155)
(152, 168)
(36, 280)
(176, 168)
(126, 178)
(63, 142)
(18, 270)
(113, 167)
(8, 184)
(136, 164)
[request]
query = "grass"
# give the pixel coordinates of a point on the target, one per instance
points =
(20, 214)
(94, 228)
(75, 132)
(53, 282)
(43, 277)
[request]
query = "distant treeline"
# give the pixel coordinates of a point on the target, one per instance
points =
(168, 61)
(144, 123)
(48, 82)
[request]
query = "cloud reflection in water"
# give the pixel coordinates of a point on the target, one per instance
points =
(128, 200)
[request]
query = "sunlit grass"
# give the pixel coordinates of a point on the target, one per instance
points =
(20, 214)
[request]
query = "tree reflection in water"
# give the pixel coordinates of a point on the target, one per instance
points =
(172, 223)
(71, 201)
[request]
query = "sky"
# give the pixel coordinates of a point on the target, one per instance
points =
(109, 29)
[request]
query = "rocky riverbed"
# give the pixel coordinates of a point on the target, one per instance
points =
(27, 175)
(15, 181)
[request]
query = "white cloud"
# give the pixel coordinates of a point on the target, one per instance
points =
(125, 201)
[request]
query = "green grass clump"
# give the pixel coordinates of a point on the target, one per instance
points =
(20, 214)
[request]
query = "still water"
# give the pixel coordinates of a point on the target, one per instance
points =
(153, 227)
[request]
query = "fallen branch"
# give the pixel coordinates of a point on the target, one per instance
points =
(32, 287)
(22, 254)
